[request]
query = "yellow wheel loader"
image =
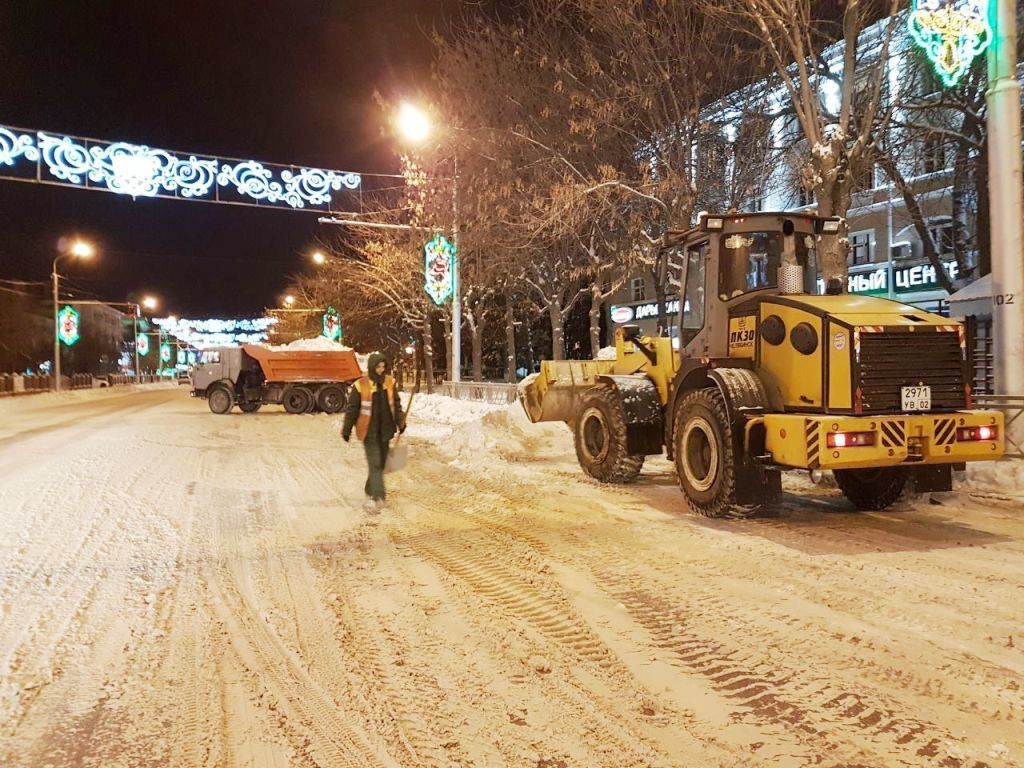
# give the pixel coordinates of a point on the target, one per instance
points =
(766, 375)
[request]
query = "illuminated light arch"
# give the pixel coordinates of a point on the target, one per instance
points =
(952, 33)
(137, 170)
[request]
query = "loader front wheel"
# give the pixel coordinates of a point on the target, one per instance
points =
(872, 490)
(703, 453)
(599, 429)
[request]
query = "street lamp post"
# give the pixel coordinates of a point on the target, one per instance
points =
(79, 250)
(415, 126)
(1004, 163)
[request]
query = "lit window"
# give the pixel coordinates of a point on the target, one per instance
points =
(639, 289)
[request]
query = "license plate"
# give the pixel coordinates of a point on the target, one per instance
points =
(916, 398)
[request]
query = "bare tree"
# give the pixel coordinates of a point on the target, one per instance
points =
(837, 104)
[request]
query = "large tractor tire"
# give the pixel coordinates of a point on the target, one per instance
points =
(599, 430)
(249, 407)
(703, 452)
(298, 400)
(331, 399)
(219, 399)
(872, 490)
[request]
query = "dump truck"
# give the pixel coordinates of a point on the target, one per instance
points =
(766, 373)
(252, 376)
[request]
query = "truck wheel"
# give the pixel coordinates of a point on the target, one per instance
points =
(297, 400)
(702, 438)
(599, 430)
(219, 400)
(872, 489)
(249, 407)
(331, 398)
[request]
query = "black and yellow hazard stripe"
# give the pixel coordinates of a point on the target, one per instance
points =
(945, 431)
(812, 434)
(894, 434)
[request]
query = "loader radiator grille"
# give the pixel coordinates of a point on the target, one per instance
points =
(889, 361)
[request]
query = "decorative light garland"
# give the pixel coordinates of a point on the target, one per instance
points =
(141, 171)
(952, 33)
(68, 325)
(439, 269)
(217, 332)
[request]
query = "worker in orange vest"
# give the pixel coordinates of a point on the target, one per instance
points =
(375, 411)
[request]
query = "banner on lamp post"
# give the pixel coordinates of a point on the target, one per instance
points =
(332, 324)
(439, 269)
(165, 353)
(68, 326)
(143, 344)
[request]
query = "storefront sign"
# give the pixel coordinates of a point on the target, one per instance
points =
(915, 279)
(626, 313)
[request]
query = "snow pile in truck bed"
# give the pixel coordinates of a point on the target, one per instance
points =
(317, 344)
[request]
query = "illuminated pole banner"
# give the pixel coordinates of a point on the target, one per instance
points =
(67, 326)
(165, 352)
(438, 268)
(140, 171)
(952, 33)
(143, 345)
(332, 324)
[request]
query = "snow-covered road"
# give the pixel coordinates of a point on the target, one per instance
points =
(183, 589)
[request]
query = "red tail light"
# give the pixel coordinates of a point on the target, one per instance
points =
(974, 434)
(850, 439)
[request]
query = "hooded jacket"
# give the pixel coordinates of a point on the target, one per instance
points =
(374, 408)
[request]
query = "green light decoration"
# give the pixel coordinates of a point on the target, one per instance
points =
(439, 269)
(332, 324)
(143, 345)
(67, 326)
(165, 353)
(952, 33)
(181, 357)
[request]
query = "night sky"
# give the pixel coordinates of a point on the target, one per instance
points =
(282, 82)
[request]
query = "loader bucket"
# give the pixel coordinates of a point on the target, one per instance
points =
(552, 394)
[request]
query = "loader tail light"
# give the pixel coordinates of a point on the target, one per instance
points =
(850, 439)
(974, 434)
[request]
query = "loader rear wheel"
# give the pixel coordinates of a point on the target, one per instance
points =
(219, 399)
(331, 399)
(703, 453)
(297, 400)
(599, 429)
(872, 490)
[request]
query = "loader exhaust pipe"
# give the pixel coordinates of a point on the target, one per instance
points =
(791, 274)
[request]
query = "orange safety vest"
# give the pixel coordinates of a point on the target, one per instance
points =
(366, 387)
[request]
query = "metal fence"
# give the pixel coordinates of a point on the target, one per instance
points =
(1012, 407)
(498, 393)
(29, 384)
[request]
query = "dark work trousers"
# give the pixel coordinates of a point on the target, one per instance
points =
(376, 457)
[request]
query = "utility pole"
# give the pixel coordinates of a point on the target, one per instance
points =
(1004, 179)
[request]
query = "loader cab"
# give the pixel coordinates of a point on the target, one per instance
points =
(727, 262)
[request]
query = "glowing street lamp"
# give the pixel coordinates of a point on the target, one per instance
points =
(79, 249)
(318, 258)
(289, 300)
(413, 123)
(150, 303)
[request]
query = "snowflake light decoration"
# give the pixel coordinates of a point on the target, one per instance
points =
(952, 33)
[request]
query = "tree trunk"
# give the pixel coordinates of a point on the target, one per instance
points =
(596, 302)
(557, 342)
(428, 350)
(510, 344)
(961, 192)
(477, 328)
(832, 196)
(531, 358)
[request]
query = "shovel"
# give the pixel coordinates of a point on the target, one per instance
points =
(398, 456)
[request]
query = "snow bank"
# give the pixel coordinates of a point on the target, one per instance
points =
(25, 403)
(1002, 477)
